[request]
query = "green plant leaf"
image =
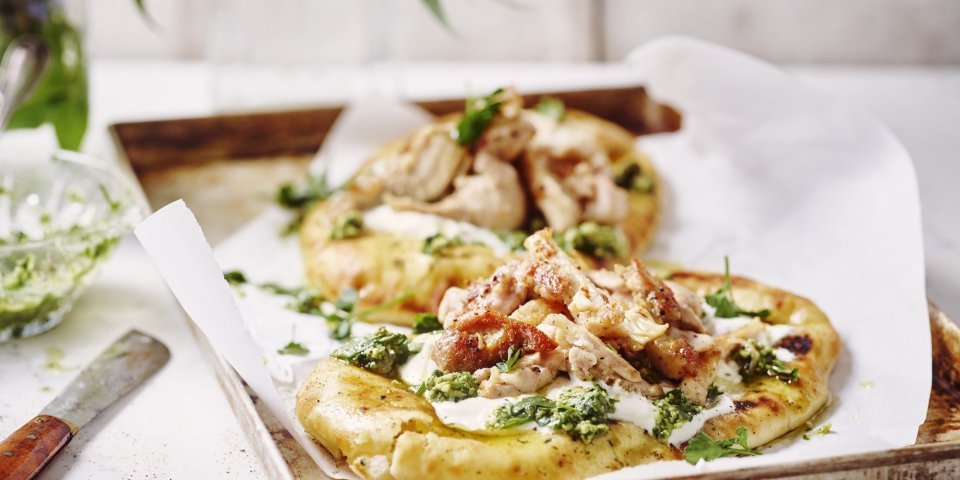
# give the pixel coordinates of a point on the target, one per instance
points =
(436, 8)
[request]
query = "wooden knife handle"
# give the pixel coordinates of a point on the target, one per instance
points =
(25, 452)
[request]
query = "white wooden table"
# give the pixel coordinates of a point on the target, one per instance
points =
(178, 425)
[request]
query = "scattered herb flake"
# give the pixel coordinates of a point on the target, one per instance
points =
(294, 348)
(435, 244)
(235, 277)
(825, 429)
(347, 225)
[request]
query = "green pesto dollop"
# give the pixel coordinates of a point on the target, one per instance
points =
(581, 412)
(757, 360)
(379, 352)
(631, 177)
(448, 387)
(596, 240)
(673, 410)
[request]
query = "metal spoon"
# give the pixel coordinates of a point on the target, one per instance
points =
(22, 66)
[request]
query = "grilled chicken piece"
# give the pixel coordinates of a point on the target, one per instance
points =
(481, 339)
(570, 177)
(658, 299)
(687, 357)
(531, 373)
(689, 301)
(502, 292)
(534, 311)
(589, 358)
(559, 279)
(491, 196)
(425, 166)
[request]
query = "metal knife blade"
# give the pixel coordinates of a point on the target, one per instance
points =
(121, 367)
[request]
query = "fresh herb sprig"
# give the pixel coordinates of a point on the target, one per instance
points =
(702, 447)
(722, 299)
(513, 355)
(477, 115)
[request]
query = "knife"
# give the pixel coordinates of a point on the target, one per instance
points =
(118, 370)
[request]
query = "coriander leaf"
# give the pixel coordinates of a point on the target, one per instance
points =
(722, 299)
(426, 322)
(477, 115)
(347, 300)
(552, 108)
(293, 348)
(702, 447)
(299, 197)
(235, 277)
(513, 354)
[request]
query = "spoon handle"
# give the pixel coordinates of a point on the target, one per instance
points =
(22, 65)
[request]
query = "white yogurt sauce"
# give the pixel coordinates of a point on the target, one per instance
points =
(473, 413)
(420, 365)
(384, 219)
(687, 430)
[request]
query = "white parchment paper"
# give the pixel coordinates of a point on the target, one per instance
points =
(801, 191)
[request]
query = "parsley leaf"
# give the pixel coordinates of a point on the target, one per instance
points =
(426, 323)
(293, 348)
(552, 108)
(513, 354)
(702, 447)
(477, 115)
(722, 299)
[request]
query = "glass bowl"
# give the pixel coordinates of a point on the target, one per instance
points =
(60, 217)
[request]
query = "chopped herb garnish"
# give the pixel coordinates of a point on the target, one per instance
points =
(447, 387)
(347, 225)
(631, 177)
(23, 271)
(673, 410)
(722, 299)
(824, 430)
(379, 352)
(426, 323)
(438, 242)
(293, 348)
(235, 277)
(552, 108)
(581, 412)
(757, 360)
(477, 115)
(702, 447)
(593, 239)
(513, 355)
(299, 197)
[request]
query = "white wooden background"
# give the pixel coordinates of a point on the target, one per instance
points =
(323, 31)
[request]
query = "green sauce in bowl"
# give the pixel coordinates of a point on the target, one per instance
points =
(60, 217)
